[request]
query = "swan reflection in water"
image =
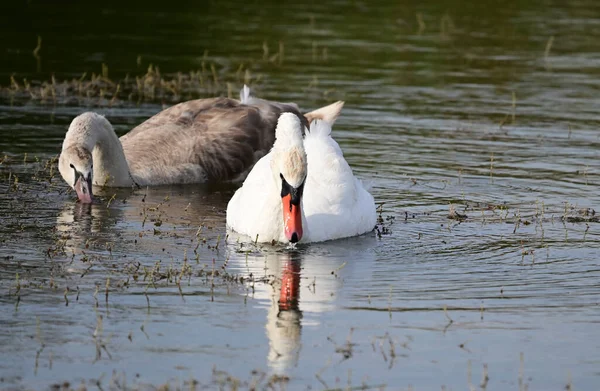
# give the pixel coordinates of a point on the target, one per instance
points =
(307, 282)
(284, 315)
(79, 224)
(120, 221)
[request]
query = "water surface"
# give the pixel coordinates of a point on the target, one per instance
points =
(488, 111)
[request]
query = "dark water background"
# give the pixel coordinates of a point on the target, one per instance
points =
(489, 110)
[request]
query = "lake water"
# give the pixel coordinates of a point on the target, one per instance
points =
(488, 111)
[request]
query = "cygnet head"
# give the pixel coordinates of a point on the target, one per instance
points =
(289, 172)
(75, 166)
(75, 162)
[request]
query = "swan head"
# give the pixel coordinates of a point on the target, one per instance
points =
(75, 162)
(75, 166)
(289, 168)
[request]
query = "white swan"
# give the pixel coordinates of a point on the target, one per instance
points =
(204, 140)
(303, 189)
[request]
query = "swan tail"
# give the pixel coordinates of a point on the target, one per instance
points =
(328, 114)
(245, 95)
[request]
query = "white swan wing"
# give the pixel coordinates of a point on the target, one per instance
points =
(335, 203)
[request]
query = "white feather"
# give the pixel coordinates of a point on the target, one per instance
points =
(245, 95)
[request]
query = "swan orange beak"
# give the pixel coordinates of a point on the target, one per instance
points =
(83, 188)
(292, 219)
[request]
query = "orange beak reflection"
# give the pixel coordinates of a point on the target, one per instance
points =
(292, 219)
(290, 286)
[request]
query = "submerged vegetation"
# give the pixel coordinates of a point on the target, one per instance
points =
(213, 78)
(74, 263)
(152, 86)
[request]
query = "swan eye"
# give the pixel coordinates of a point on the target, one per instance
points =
(285, 187)
(77, 174)
(294, 192)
